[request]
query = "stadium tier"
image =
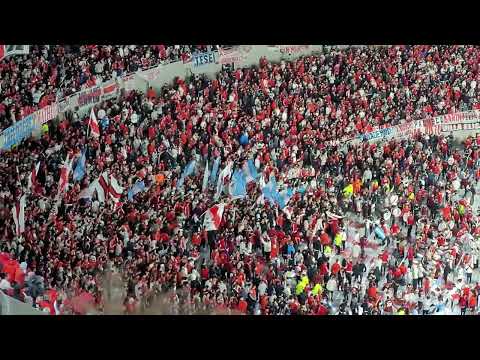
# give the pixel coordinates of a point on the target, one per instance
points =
(213, 179)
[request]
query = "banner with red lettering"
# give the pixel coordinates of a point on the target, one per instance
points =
(466, 120)
(293, 49)
(45, 114)
(89, 96)
(231, 56)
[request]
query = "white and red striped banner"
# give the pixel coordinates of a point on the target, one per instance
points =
(109, 91)
(293, 49)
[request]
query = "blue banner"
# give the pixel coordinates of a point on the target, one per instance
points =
(17, 132)
(284, 197)
(200, 59)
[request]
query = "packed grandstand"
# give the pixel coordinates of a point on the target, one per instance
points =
(261, 180)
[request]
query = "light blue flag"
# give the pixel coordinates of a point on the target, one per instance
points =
(284, 197)
(213, 174)
(250, 171)
(80, 168)
(238, 185)
(189, 170)
(135, 189)
(271, 193)
(270, 190)
(302, 189)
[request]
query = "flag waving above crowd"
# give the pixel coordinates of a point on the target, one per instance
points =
(189, 170)
(346, 181)
(32, 180)
(213, 217)
(135, 189)
(93, 125)
(102, 187)
(19, 215)
(80, 168)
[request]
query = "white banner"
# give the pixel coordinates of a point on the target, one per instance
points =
(232, 56)
(129, 82)
(46, 114)
(151, 74)
(466, 120)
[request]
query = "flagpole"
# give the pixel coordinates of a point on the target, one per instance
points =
(88, 125)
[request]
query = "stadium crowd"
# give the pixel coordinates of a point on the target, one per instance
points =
(385, 228)
(52, 72)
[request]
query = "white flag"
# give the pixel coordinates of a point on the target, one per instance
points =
(19, 215)
(225, 173)
(205, 178)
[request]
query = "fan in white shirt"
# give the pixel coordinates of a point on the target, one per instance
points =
(5, 284)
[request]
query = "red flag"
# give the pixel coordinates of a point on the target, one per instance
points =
(213, 217)
(2, 51)
(93, 124)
